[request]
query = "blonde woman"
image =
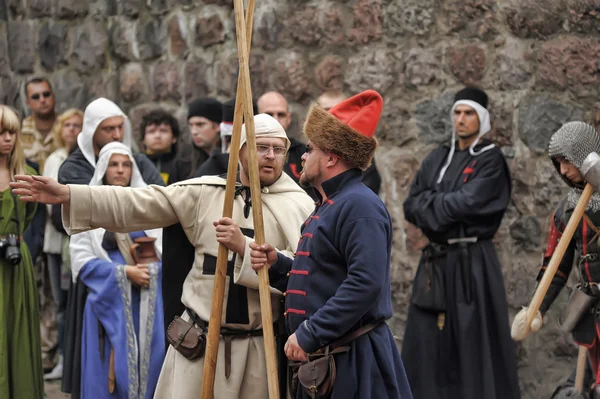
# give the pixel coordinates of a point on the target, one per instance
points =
(66, 129)
(20, 349)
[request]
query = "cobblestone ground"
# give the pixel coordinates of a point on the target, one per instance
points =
(52, 390)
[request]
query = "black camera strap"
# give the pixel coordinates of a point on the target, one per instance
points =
(17, 220)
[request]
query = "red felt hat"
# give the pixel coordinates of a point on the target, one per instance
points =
(348, 129)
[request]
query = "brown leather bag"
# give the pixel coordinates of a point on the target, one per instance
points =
(187, 338)
(317, 377)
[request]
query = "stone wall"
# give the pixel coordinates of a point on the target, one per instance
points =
(538, 60)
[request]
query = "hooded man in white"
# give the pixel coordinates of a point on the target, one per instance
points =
(79, 166)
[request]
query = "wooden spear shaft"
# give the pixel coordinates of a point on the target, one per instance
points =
(214, 325)
(255, 190)
(561, 248)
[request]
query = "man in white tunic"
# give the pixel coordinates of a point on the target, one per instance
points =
(197, 204)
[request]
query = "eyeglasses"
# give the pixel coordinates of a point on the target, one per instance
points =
(264, 150)
(36, 96)
(277, 114)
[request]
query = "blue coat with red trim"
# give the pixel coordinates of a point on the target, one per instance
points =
(340, 280)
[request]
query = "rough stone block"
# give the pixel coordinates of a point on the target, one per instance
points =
(39, 8)
(10, 93)
(123, 40)
(21, 46)
(305, 23)
(178, 34)
(531, 19)
(409, 17)
(130, 8)
(393, 127)
(332, 26)
(103, 8)
(329, 73)
(134, 85)
(422, 68)
(227, 3)
(368, 21)
(196, 80)
(570, 63)
(226, 73)
(210, 29)
(52, 42)
(69, 9)
(433, 119)
(267, 27)
(186, 4)
(70, 90)
(4, 60)
(166, 82)
(150, 37)
(584, 16)
(16, 8)
(105, 84)
(501, 115)
(540, 116)
(525, 233)
(471, 18)
(370, 69)
(467, 63)
(512, 70)
(3, 11)
(290, 76)
(89, 41)
(158, 7)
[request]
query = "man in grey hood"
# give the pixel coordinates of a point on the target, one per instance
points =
(103, 122)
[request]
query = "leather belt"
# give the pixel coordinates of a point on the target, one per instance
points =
(228, 335)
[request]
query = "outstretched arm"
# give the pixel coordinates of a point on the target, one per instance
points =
(119, 209)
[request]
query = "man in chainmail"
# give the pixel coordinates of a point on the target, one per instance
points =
(569, 147)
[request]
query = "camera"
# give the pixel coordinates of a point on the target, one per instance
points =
(10, 249)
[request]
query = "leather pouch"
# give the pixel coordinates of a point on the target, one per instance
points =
(317, 377)
(579, 306)
(429, 291)
(186, 338)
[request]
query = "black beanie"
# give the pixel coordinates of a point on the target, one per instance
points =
(208, 108)
(473, 94)
(229, 110)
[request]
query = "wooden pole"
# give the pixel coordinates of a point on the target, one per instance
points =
(214, 325)
(255, 190)
(561, 248)
(580, 373)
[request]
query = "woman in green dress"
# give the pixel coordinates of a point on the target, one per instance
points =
(20, 350)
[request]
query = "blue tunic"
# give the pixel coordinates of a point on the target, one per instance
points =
(340, 280)
(117, 307)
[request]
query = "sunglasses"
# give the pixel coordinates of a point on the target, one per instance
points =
(36, 96)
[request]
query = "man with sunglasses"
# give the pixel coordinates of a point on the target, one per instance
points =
(35, 134)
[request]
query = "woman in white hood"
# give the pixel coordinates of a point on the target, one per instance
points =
(122, 335)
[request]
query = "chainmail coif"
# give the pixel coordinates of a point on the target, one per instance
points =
(575, 141)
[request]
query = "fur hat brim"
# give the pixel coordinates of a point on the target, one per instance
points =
(330, 134)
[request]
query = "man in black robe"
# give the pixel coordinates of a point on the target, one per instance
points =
(457, 342)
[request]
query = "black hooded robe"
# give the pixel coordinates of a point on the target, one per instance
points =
(473, 356)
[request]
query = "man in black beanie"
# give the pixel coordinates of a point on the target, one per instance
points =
(204, 117)
(457, 342)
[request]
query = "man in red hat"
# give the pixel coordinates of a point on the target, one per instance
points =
(337, 288)
(457, 342)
